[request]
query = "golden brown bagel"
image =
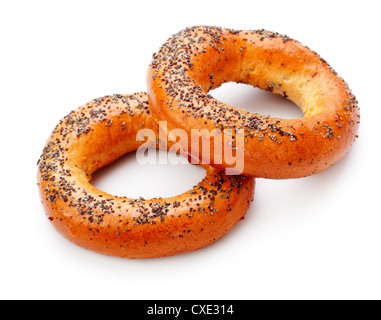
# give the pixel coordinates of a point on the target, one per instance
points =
(199, 59)
(95, 135)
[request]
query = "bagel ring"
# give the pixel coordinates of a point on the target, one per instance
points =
(199, 59)
(95, 135)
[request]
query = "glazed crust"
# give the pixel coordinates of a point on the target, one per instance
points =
(95, 135)
(199, 59)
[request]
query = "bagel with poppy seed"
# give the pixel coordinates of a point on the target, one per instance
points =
(95, 135)
(199, 59)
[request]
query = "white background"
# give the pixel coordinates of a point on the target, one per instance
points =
(311, 238)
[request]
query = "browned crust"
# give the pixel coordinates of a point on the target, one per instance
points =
(95, 135)
(199, 59)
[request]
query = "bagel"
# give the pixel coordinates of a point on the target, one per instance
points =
(199, 59)
(95, 135)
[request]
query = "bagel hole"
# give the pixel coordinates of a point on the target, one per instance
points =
(126, 177)
(254, 100)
